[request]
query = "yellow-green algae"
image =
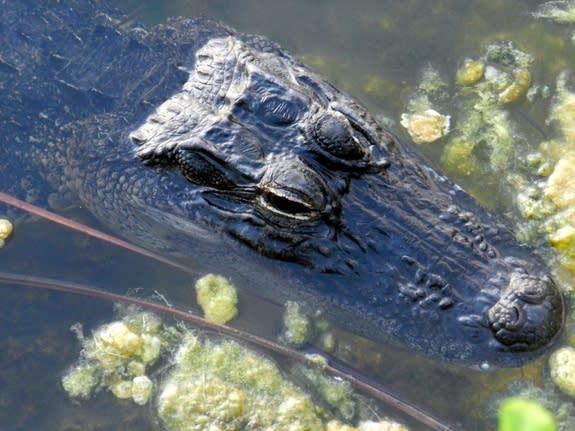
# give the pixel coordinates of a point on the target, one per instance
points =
(338, 394)
(562, 369)
(563, 110)
(6, 229)
(297, 326)
(562, 11)
(366, 426)
(483, 139)
(217, 298)
(224, 386)
(549, 202)
(471, 72)
(207, 384)
(488, 84)
(116, 357)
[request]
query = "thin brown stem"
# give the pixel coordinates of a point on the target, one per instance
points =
(79, 227)
(378, 393)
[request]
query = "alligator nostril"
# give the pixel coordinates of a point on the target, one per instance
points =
(529, 314)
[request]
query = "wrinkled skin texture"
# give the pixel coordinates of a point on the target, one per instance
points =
(222, 148)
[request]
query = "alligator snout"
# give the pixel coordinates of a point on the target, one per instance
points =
(529, 313)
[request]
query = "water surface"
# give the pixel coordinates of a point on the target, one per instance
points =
(375, 50)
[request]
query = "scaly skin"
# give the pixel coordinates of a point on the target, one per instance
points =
(198, 141)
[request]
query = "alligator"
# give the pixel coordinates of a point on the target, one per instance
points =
(223, 149)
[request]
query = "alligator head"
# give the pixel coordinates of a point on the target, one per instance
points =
(258, 150)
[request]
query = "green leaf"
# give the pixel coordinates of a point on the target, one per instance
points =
(521, 414)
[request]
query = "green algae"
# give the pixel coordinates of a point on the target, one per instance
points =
(471, 72)
(562, 369)
(297, 326)
(487, 85)
(484, 140)
(547, 199)
(209, 383)
(117, 356)
(217, 298)
(562, 11)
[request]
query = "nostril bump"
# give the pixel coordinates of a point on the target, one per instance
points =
(529, 314)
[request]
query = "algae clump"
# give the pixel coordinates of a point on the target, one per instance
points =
(227, 387)
(550, 203)
(501, 77)
(296, 325)
(217, 298)
(562, 369)
(471, 72)
(116, 357)
(208, 384)
(6, 229)
(558, 11)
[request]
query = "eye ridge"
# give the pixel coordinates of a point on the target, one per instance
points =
(333, 133)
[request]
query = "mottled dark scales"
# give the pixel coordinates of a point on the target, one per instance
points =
(221, 148)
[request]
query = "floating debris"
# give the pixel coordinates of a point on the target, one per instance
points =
(217, 298)
(427, 127)
(424, 123)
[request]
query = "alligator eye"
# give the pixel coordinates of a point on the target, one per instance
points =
(333, 133)
(203, 169)
(287, 203)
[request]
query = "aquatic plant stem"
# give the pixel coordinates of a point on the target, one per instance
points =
(79, 227)
(77, 289)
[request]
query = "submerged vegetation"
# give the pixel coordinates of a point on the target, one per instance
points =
(208, 384)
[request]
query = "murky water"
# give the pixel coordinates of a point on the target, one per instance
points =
(376, 50)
